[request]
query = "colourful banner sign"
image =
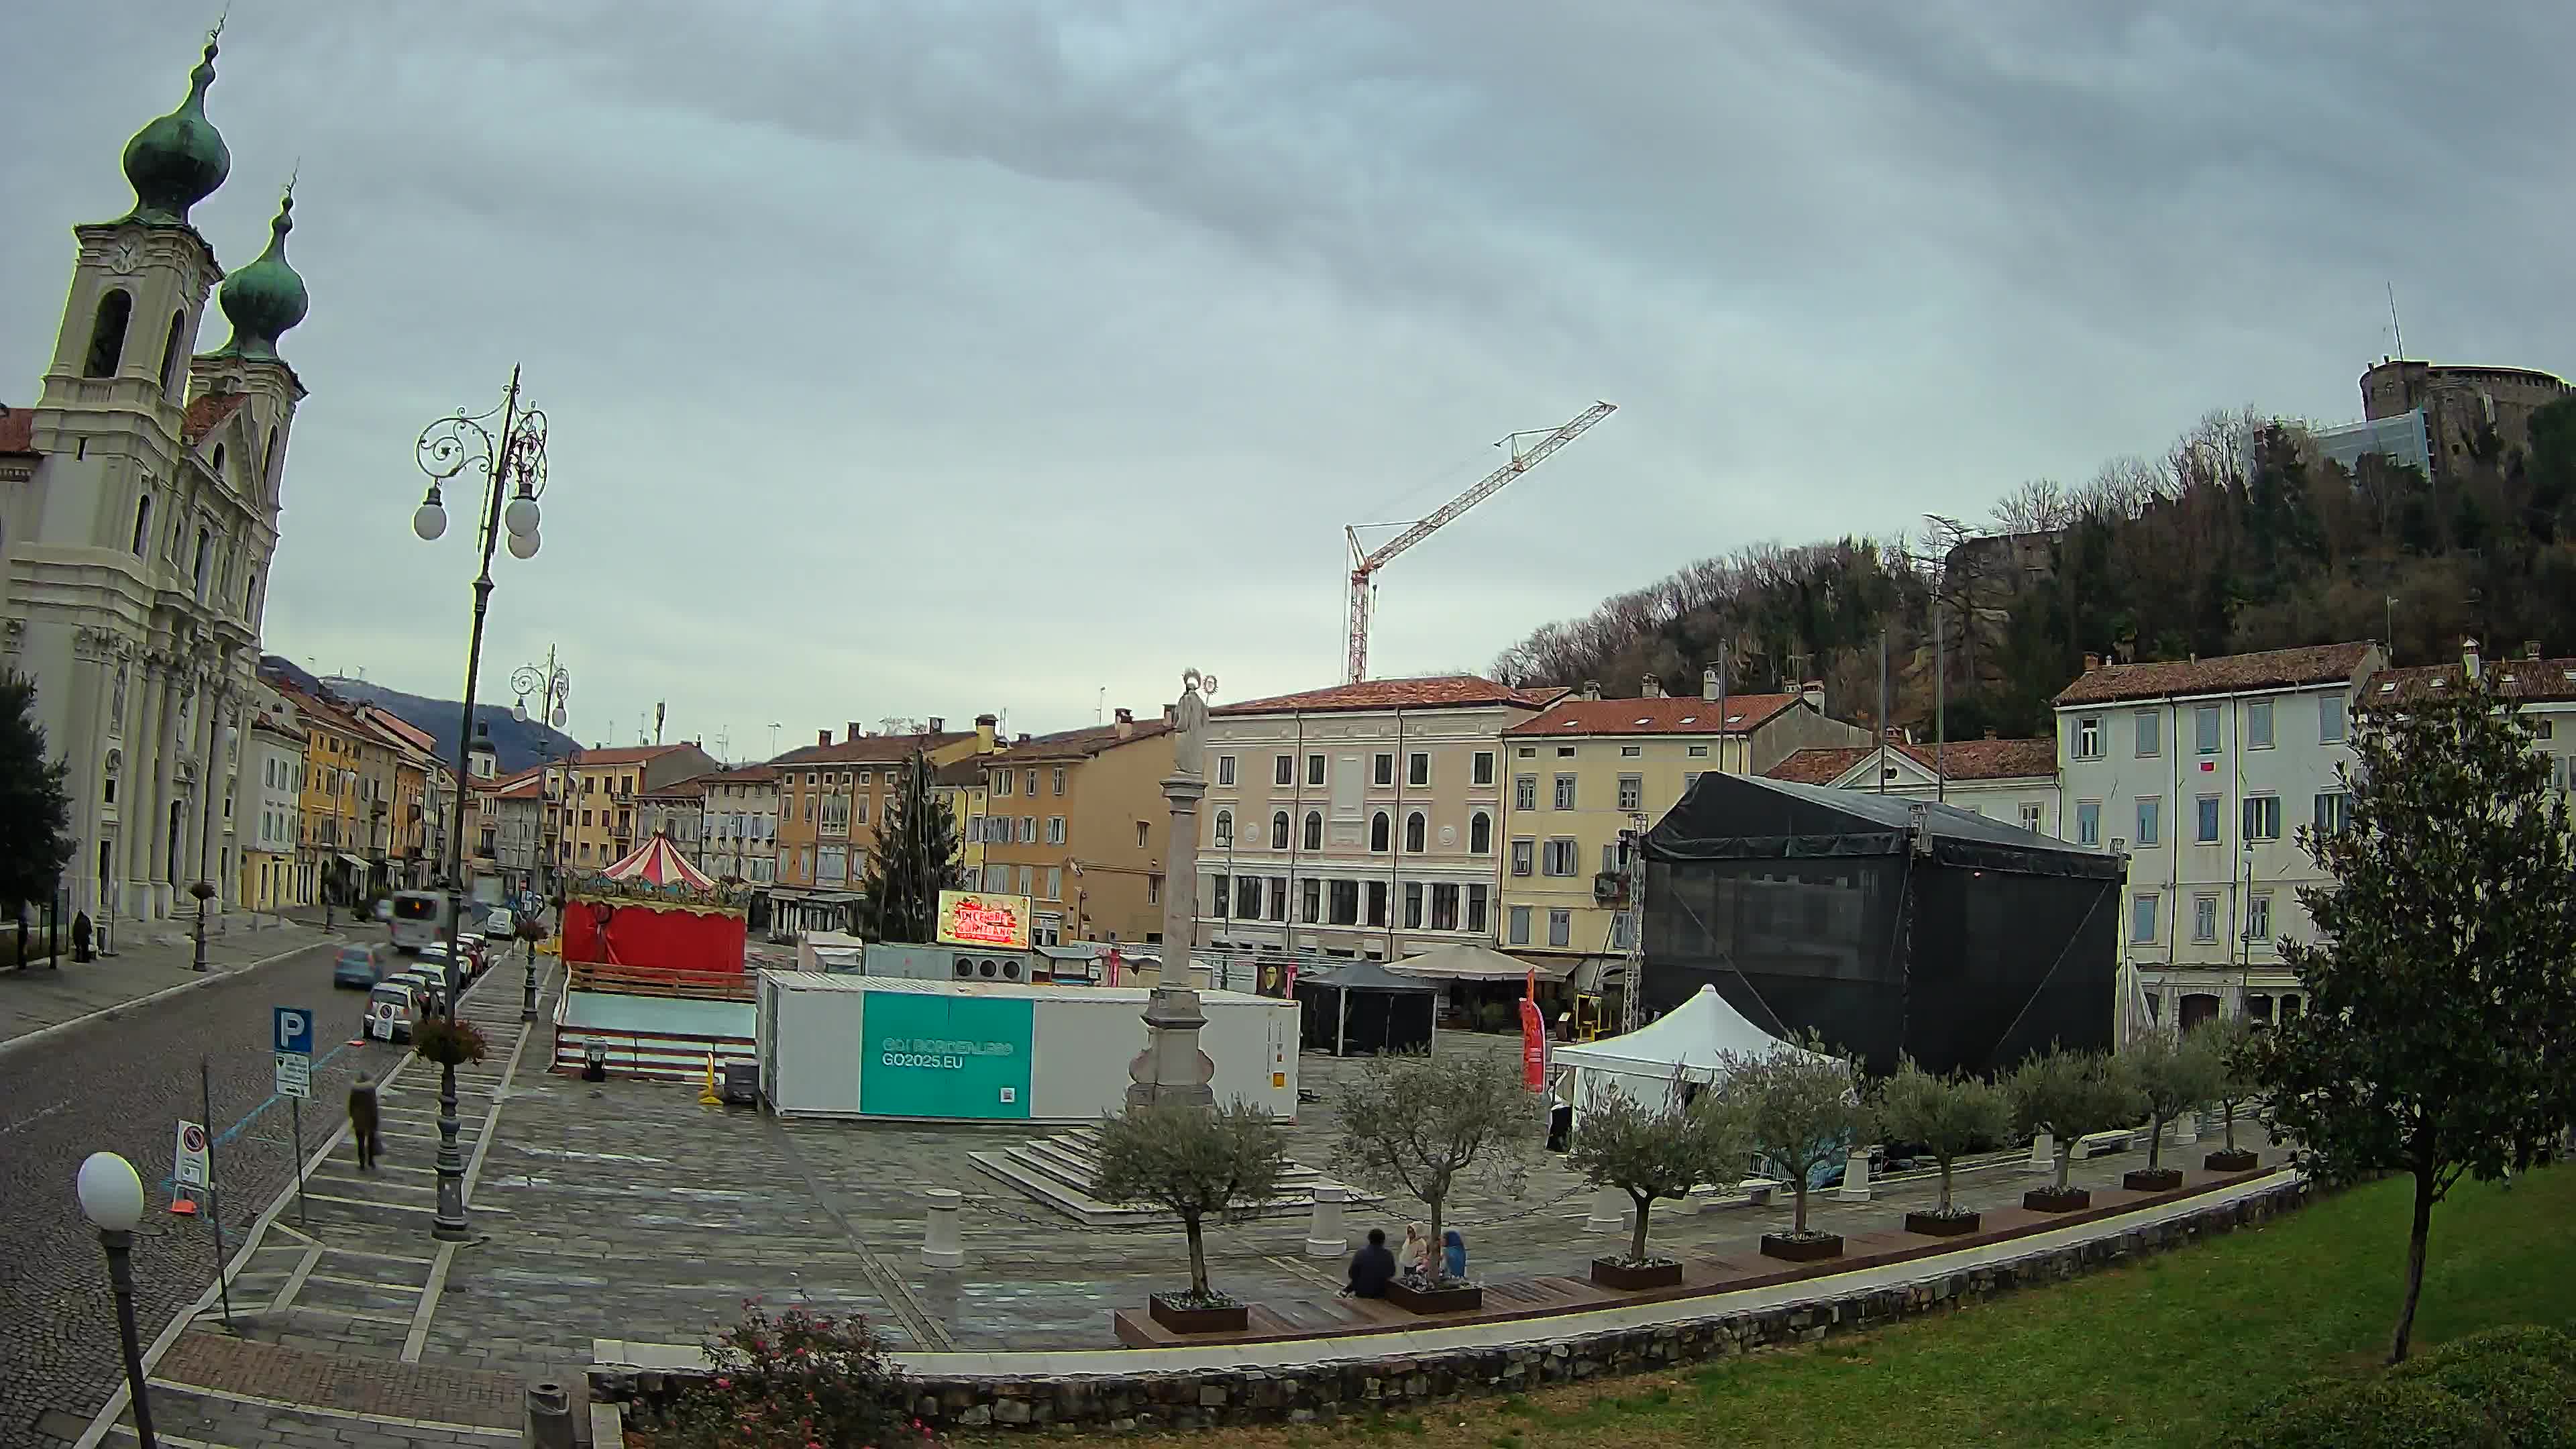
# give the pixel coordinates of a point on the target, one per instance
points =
(1533, 1040)
(972, 918)
(945, 1056)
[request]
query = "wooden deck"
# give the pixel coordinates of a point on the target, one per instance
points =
(1507, 1300)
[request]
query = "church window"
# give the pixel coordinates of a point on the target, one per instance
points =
(219, 460)
(142, 524)
(268, 461)
(205, 552)
(107, 334)
(170, 352)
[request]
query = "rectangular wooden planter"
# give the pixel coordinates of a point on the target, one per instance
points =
(1457, 1298)
(1635, 1277)
(1802, 1250)
(2239, 1160)
(1935, 1225)
(2051, 1200)
(1186, 1319)
(2151, 1179)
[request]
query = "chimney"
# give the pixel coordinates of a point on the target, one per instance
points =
(2530, 648)
(2092, 662)
(1651, 687)
(1591, 689)
(938, 725)
(822, 737)
(985, 724)
(1990, 732)
(1024, 737)
(1708, 683)
(1813, 692)
(1126, 723)
(1171, 714)
(856, 732)
(2469, 658)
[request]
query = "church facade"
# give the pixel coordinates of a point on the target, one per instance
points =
(138, 515)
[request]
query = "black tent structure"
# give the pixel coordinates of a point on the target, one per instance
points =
(1359, 1008)
(1884, 924)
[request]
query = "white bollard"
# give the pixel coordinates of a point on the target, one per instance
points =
(1855, 1186)
(1325, 1237)
(2043, 1154)
(940, 1247)
(1609, 1211)
(2186, 1129)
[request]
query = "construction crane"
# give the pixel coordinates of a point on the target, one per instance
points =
(1366, 562)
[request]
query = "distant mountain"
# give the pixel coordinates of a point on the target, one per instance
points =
(515, 745)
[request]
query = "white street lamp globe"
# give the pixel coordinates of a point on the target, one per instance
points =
(111, 1196)
(429, 521)
(521, 517)
(560, 717)
(523, 545)
(519, 711)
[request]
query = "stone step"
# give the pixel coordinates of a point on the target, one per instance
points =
(1058, 1171)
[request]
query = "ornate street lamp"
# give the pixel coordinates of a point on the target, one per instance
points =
(513, 465)
(111, 1197)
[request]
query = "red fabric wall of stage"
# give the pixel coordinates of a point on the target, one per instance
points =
(646, 938)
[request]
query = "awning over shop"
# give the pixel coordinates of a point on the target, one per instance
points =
(355, 862)
(1469, 962)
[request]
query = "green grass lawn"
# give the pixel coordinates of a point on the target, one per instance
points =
(2161, 1353)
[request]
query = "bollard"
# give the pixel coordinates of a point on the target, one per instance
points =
(1609, 1211)
(2186, 1128)
(1855, 1186)
(940, 1247)
(1324, 1235)
(2043, 1154)
(549, 1417)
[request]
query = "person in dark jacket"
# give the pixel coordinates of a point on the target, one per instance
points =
(363, 1125)
(1453, 1254)
(1372, 1267)
(80, 937)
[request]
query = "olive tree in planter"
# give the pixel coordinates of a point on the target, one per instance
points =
(1950, 1117)
(2232, 1044)
(2175, 1073)
(1651, 1153)
(1799, 1108)
(1420, 1125)
(1195, 1164)
(2071, 1095)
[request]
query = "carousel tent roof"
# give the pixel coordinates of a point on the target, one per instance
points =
(658, 863)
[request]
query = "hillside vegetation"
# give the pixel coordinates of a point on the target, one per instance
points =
(2238, 538)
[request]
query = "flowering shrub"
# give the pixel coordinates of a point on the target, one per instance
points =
(793, 1380)
(449, 1043)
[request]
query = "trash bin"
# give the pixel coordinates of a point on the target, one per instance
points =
(741, 1084)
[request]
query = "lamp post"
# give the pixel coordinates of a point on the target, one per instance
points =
(514, 460)
(111, 1197)
(552, 685)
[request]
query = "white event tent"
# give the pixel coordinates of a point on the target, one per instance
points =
(1681, 1047)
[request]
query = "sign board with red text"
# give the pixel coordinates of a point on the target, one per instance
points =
(973, 918)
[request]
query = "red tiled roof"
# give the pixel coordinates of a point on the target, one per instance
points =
(870, 749)
(625, 755)
(1665, 715)
(746, 775)
(1080, 744)
(1962, 759)
(1446, 691)
(2227, 674)
(694, 785)
(17, 430)
(208, 412)
(2548, 680)
(402, 729)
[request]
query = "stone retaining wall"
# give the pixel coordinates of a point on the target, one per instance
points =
(1395, 1382)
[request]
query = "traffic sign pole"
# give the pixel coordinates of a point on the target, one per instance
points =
(295, 1110)
(214, 1195)
(291, 1039)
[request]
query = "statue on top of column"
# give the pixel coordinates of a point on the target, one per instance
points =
(1189, 722)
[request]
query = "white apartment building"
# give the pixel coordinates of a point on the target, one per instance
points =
(269, 813)
(1363, 820)
(2545, 688)
(740, 825)
(2202, 771)
(2008, 780)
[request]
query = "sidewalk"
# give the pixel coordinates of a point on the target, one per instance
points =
(38, 997)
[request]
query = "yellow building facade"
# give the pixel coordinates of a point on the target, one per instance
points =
(832, 797)
(1077, 822)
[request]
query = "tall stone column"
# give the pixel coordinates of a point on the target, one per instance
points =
(1181, 884)
(1172, 1068)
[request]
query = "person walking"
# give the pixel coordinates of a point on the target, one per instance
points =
(1453, 1254)
(364, 1126)
(80, 937)
(1372, 1268)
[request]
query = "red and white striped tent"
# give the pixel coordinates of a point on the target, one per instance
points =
(657, 863)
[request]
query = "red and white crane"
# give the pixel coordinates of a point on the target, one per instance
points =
(1366, 563)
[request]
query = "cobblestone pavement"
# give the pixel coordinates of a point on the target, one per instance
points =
(33, 998)
(122, 1083)
(627, 1210)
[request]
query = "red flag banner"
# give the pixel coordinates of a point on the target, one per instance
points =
(1533, 1039)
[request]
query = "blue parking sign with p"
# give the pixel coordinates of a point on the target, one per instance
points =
(294, 1030)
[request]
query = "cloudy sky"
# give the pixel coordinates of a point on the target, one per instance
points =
(919, 359)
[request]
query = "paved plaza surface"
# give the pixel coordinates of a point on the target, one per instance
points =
(629, 1211)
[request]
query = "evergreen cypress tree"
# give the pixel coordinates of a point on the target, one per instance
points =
(916, 857)
(36, 843)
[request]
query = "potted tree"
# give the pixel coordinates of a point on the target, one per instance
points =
(1650, 1153)
(2071, 1094)
(1799, 1108)
(1419, 1125)
(1950, 1117)
(1195, 1164)
(2174, 1072)
(2232, 1044)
